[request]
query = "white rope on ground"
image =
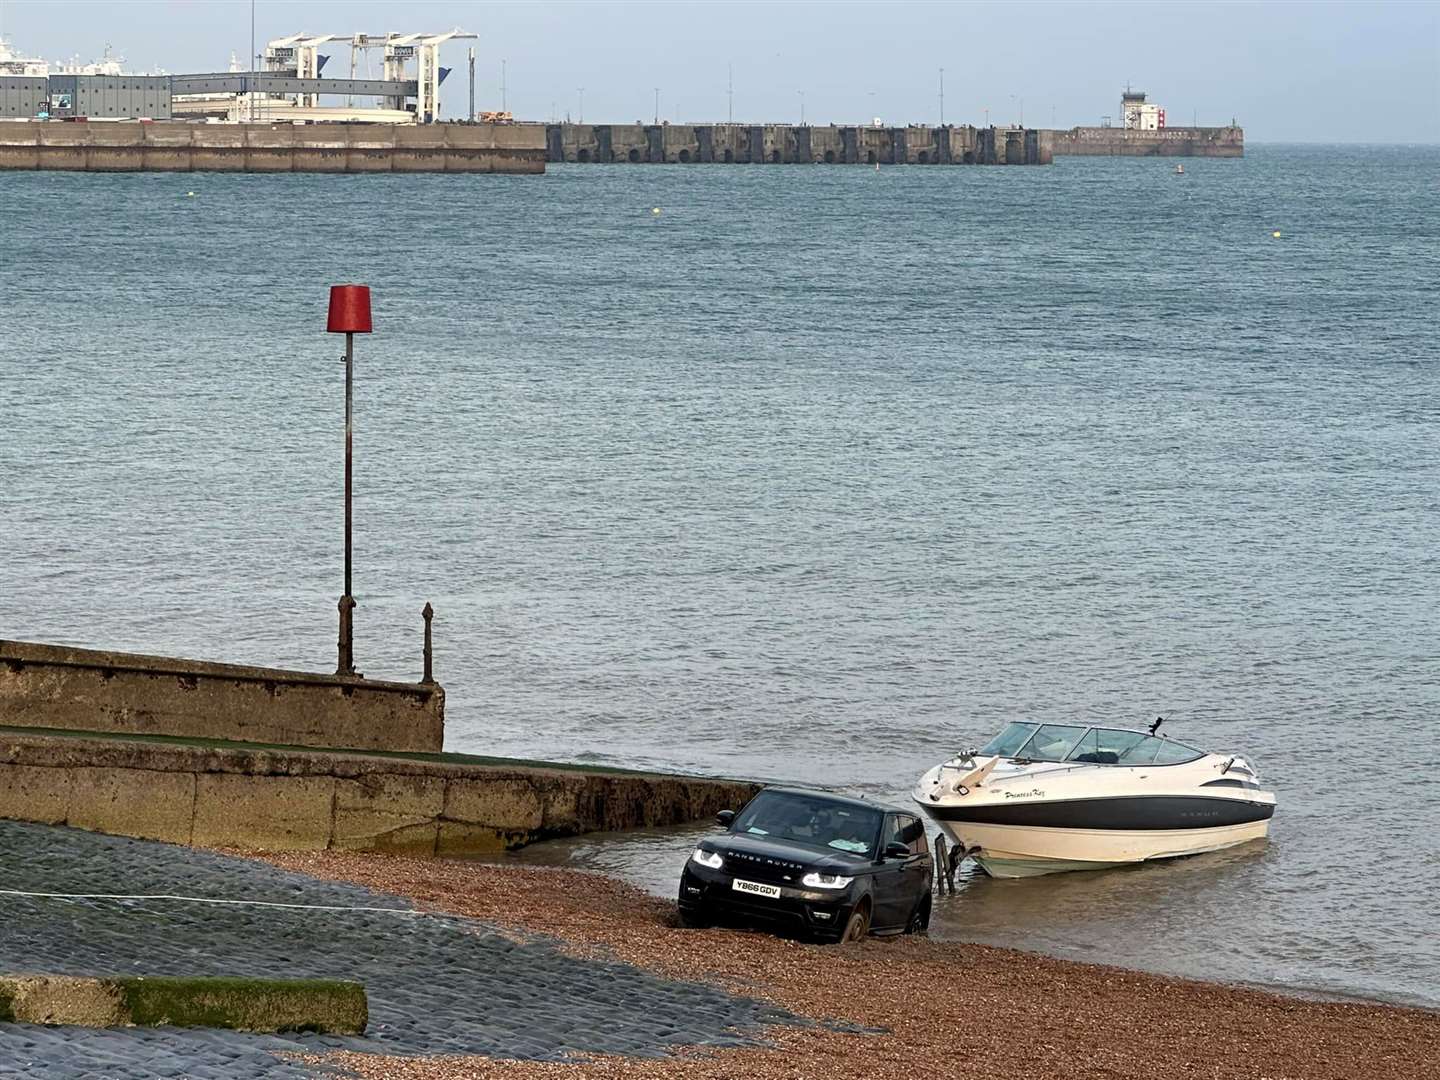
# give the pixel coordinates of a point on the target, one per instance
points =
(212, 900)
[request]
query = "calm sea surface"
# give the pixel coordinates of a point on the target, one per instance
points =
(819, 474)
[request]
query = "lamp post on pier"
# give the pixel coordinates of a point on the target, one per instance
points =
(349, 315)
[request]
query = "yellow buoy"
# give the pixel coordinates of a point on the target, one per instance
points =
(190, 194)
(1276, 234)
(656, 210)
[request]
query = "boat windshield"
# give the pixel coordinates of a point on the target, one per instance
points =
(1097, 746)
(1109, 746)
(1009, 741)
(1112, 746)
(1052, 742)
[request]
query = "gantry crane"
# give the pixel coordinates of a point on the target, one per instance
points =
(300, 52)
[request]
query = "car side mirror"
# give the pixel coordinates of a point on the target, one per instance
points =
(724, 818)
(897, 850)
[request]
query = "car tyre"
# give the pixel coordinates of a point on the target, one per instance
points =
(858, 928)
(692, 920)
(920, 918)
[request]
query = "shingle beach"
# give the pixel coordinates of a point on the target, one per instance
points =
(477, 970)
(927, 1008)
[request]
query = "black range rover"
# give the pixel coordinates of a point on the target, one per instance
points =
(813, 863)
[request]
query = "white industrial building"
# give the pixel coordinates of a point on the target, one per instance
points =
(1137, 114)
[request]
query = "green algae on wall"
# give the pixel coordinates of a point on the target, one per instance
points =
(326, 1006)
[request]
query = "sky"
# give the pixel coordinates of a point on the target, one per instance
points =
(1287, 72)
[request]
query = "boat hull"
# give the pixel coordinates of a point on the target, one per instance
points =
(1010, 851)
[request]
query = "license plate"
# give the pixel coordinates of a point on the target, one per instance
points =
(755, 888)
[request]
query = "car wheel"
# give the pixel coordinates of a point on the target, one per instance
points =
(858, 928)
(920, 918)
(692, 920)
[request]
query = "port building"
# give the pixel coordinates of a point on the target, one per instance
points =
(1137, 114)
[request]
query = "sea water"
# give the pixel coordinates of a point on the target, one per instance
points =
(818, 474)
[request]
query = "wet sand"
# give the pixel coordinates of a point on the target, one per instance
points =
(935, 1008)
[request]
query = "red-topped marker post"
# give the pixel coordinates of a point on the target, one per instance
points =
(349, 315)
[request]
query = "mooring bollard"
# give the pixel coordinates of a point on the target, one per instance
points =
(428, 613)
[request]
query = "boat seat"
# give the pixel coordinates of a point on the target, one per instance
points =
(1099, 757)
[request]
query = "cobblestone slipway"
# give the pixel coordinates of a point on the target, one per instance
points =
(437, 985)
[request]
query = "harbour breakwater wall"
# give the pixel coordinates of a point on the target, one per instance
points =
(163, 146)
(787, 144)
(916, 144)
(267, 799)
(1165, 142)
(55, 686)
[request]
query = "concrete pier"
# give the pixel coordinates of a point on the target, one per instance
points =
(1165, 142)
(173, 146)
(916, 144)
(786, 144)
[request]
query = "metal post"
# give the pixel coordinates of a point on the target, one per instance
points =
(941, 863)
(428, 613)
(347, 602)
(471, 117)
(347, 624)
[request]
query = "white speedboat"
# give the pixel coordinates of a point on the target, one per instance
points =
(1040, 798)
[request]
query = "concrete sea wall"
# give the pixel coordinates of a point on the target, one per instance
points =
(1167, 142)
(786, 144)
(296, 800)
(52, 686)
(136, 146)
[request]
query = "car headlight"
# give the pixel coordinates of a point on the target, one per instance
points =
(815, 880)
(713, 859)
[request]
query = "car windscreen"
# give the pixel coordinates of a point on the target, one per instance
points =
(810, 820)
